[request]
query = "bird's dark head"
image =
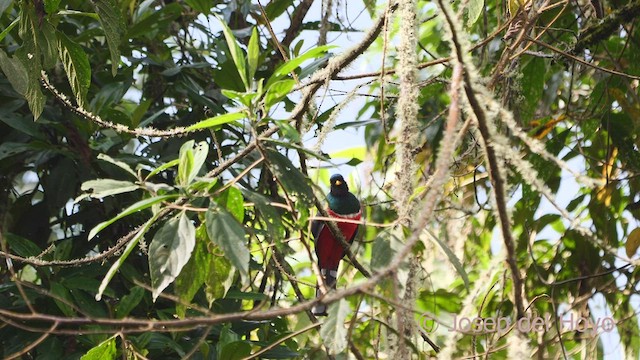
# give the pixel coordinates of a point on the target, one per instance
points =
(338, 185)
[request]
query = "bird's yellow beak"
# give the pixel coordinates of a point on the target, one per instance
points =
(338, 182)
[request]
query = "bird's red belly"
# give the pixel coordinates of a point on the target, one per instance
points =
(329, 249)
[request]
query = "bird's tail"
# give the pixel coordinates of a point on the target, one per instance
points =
(329, 277)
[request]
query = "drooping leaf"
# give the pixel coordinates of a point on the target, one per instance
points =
(169, 251)
(76, 65)
(106, 350)
(452, 258)
(125, 253)
(225, 231)
(114, 28)
(333, 332)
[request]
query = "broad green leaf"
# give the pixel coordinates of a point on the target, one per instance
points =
(225, 231)
(202, 6)
(15, 72)
(104, 351)
(125, 253)
(216, 121)
(140, 205)
(76, 65)
(236, 350)
(452, 258)
(194, 273)
(236, 53)
(232, 200)
(169, 251)
(114, 27)
(277, 91)
(121, 164)
(292, 64)
(128, 302)
(62, 298)
(101, 188)
(21, 246)
(51, 6)
(219, 278)
(533, 82)
(474, 10)
(253, 53)
(381, 253)
(333, 332)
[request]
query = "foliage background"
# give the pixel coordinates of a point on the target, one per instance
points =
(160, 162)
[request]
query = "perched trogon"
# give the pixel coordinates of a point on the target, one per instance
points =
(342, 205)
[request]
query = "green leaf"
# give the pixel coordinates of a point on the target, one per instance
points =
(163, 167)
(191, 160)
(21, 246)
(292, 64)
(8, 29)
(452, 258)
(474, 10)
(76, 65)
(125, 253)
(233, 201)
(385, 246)
(121, 164)
(236, 53)
(15, 72)
(185, 165)
(114, 27)
(216, 121)
(291, 178)
(277, 91)
(533, 81)
(219, 279)
(194, 273)
(51, 6)
(333, 332)
(225, 231)
(128, 302)
(169, 251)
(140, 205)
(101, 188)
(271, 216)
(62, 293)
(253, 53)
(106, 350)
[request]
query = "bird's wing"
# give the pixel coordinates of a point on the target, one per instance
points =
(316, 228)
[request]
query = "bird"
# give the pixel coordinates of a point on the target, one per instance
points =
(343, 205)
